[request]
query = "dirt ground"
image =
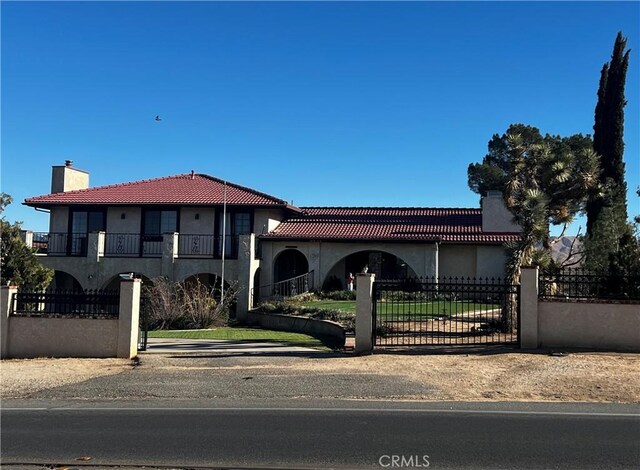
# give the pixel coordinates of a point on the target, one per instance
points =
(507, 376)
(588, 377)
(19, 377)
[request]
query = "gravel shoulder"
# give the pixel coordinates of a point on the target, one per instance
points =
(23, 377)
(505, 376)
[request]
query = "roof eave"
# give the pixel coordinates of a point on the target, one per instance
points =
(348, 240)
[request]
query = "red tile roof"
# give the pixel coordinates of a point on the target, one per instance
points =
(388, 223)
(170, 190)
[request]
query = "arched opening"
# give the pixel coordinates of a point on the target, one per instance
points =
(113, 284)
(209, 280)
(212, 283)
(385, 266)
(64, 280)
(256, 288)
(290, 263)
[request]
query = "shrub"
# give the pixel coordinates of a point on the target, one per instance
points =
(185, 305)
(338, 295)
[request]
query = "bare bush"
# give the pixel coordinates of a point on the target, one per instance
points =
(187, 304)
(161, 305)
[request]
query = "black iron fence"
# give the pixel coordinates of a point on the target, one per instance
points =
(131, 245)
(445, 311)
(67, 303)
(60, 243)
(207, 246)
(122, 244)
(579, 284)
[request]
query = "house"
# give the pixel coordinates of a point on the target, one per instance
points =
(174, 227)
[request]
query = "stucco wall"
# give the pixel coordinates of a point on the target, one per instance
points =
(92, 275)
(266, 220)
(96, 275)
(62, 337)
(457, 261)
(490, 261)
(130, 224)
(480, 261)
(59, 220)
(323, 256)
(184, 268)
(600, 326)
(317, 328)
(189, 225)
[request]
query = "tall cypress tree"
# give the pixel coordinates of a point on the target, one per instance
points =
(607, 211)
(609, 131)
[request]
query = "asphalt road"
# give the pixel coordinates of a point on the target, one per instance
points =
(365, 435)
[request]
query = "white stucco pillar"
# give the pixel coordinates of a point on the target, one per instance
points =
(27, 237)
(528, 307)
(246, 269)
(169, 253)
(129, 318)
(95, 246)
(6, 296)
(364, 313)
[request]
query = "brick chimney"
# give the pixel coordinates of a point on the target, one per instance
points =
(67, 178)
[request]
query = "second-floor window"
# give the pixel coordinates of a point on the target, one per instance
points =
(157, 222)
(83, 223)
(87, 221)
(236, 223)
(242, 225)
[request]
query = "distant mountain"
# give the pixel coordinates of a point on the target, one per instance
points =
(561, 249)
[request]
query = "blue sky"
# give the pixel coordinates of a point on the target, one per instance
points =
(317, 103)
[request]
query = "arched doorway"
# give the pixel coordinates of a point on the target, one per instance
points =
(255, 298)
(65, 281)
(113, 284)
(383, 264)
(289, 263)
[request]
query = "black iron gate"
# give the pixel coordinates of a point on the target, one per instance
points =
(445, 311)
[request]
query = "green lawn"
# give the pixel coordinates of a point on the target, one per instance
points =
(407, 308)
(243, 334)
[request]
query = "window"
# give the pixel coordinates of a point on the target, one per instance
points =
(158, 222)
(236, 223)
(87, 221)
(83, 223)
(242, 224)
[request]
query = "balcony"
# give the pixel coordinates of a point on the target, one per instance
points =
(134, 245)
(59, 243)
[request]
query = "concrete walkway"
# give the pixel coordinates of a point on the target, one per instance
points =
(175, 345)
